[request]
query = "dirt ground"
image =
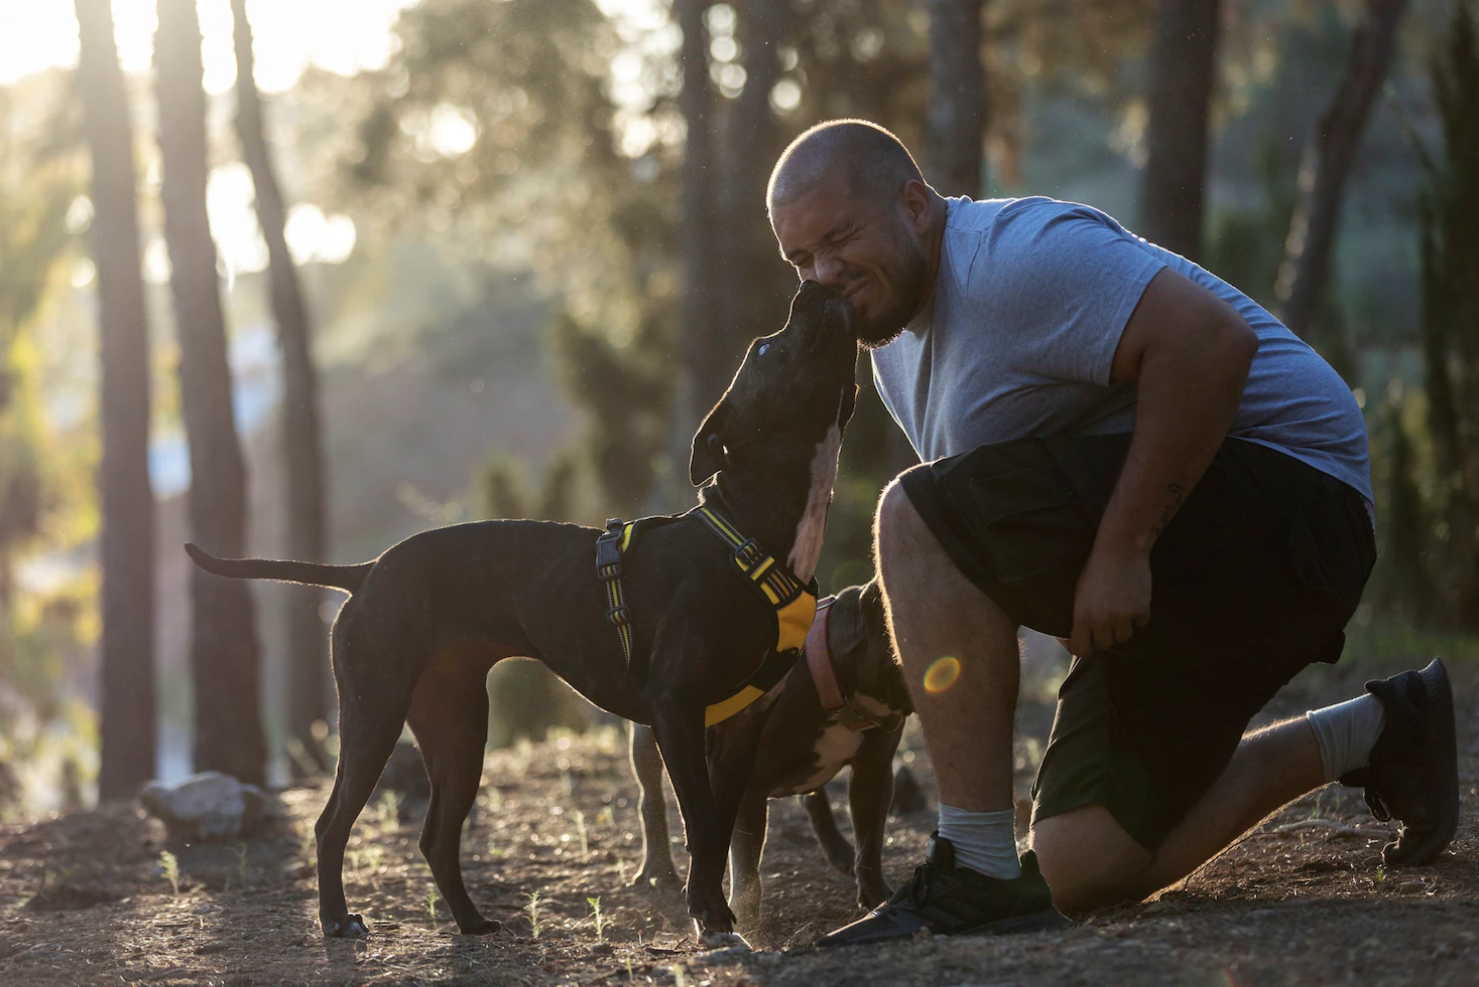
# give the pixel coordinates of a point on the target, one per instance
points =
(85, 899)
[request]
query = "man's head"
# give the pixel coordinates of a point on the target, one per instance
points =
(851, 210)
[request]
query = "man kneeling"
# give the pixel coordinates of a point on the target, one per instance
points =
(1126, 452)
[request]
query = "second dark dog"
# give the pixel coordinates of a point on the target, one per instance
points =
(844, 707)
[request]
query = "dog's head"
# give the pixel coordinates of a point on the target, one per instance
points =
(857, 638)
(791, 389)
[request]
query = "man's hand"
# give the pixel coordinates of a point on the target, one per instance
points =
(1112, 599)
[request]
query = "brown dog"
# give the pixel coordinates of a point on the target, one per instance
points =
(845, 707)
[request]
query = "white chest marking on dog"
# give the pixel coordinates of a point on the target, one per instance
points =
(807, 548)
(833, 748)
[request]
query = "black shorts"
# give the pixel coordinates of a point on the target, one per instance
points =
(1254, 578)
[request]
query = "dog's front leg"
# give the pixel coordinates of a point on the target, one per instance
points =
(680, 737)
(657, 859)
(869, 792)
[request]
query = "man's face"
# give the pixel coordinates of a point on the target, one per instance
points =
(868, 252)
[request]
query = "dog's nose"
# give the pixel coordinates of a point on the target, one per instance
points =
(814, 294)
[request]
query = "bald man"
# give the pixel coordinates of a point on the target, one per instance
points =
(1125, 452)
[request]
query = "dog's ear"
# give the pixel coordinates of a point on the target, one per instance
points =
(708, 445)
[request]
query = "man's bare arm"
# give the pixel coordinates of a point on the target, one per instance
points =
(1189, 352)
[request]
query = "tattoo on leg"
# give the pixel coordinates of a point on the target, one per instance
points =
(1168, 511)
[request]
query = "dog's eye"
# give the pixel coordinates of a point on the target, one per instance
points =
(762, 349)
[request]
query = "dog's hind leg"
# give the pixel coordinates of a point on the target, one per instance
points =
(745, 849)
(369, 724)
(657, 859)
(449, 716)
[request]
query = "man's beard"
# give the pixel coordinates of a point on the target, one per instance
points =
(912, 277)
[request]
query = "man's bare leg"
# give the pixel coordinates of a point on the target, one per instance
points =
(934, 612)
(959, 652)
(1089, 859)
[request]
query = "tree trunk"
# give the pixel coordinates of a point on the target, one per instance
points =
(957, 106)
(301, 435)
(224, 657)
(1327, 163)
(700, 371)
(1182, 70)
(127, 647)
(750, 269)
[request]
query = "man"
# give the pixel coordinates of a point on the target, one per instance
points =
(1125, 452)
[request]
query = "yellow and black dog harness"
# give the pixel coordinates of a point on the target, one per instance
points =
(794, 602)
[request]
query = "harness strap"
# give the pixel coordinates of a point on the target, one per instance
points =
(774, 582)
(609, 548)
(794, 603)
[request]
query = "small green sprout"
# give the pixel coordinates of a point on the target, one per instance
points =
(308, 847)
(431, 906)
(596, 919)
(532, 910)
(388, 808)
(171, 869)
(240, 852)
(581, 834)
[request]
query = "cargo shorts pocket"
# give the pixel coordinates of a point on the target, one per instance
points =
(1031, 534)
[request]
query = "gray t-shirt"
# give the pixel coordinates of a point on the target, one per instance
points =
(1029, 304)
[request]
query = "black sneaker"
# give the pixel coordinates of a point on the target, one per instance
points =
(952, 901)
(1413, 774)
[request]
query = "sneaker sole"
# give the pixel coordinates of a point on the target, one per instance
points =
(1444, 749)
(1049, 920)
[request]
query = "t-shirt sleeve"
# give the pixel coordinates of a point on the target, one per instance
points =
(1059, 282)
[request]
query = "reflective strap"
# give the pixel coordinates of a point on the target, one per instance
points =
(609, 547)
(777, 585)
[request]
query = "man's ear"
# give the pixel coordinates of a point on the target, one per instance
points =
(708, 445)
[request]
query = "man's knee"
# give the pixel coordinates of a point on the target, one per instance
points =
(898, 527)
(1088, 859)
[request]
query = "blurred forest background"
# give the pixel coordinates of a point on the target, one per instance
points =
(391, 264)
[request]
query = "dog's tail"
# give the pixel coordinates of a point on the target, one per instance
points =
(345, 577)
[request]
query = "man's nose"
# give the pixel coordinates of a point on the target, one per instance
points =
(828, 270)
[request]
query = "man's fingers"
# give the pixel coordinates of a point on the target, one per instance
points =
(1122, 630)
(1078, 643)
(1104, 636)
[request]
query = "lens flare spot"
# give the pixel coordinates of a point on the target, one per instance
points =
(941, 674)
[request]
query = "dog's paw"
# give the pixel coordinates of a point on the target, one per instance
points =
(483, 927)
(722, 940)
(870, 897)
(350, 927)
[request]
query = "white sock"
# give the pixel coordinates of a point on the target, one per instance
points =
(984, 841)
(1346, 732)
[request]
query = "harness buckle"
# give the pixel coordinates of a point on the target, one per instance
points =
(619, 616)
(608, 550)
(749, 555)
